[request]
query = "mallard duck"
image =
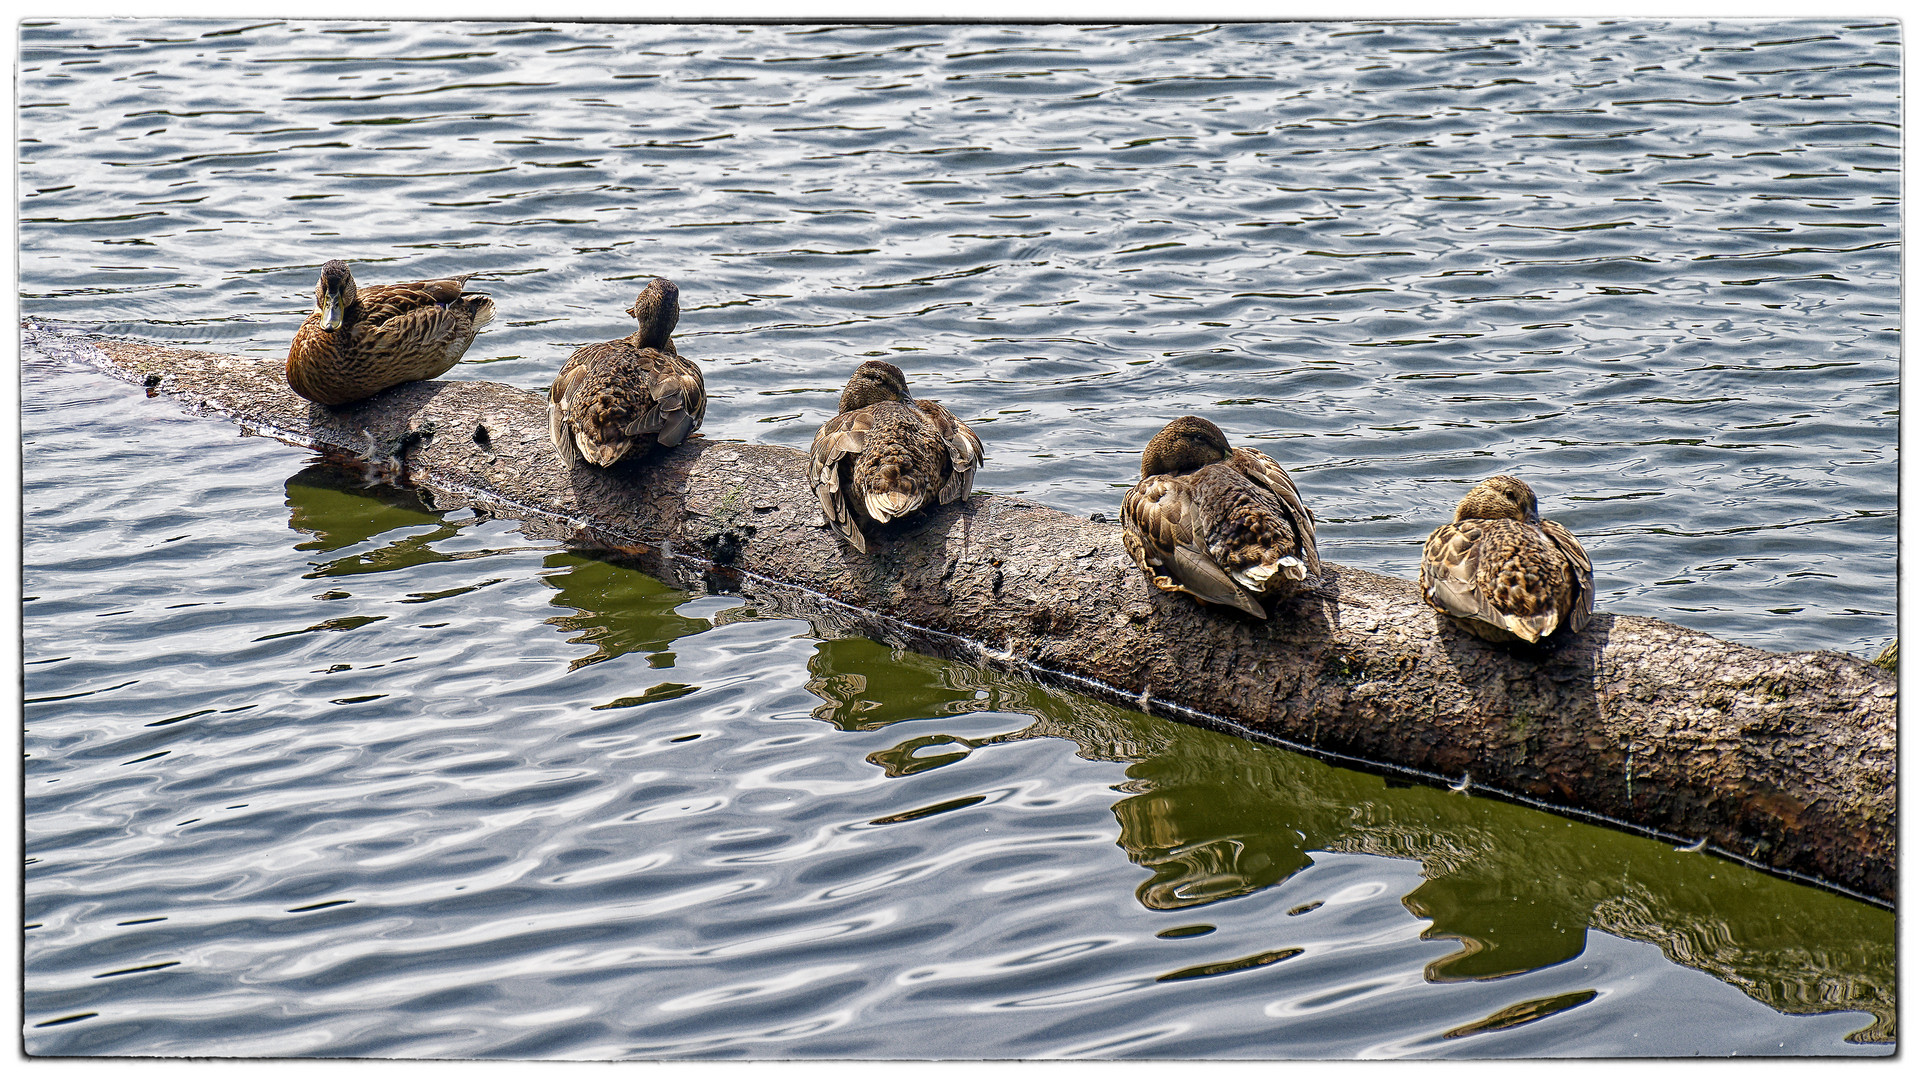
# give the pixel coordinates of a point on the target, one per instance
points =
(887, 455)
(359, 342)
(1502, 574)
(1220, 524)
(628, 396)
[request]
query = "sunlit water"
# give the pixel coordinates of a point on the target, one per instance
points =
(315, 770)
(1650, 267)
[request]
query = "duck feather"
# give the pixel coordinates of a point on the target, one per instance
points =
(886, 459)
(1509, 577)
(626, 397)
(1231, 531)
(386, 335)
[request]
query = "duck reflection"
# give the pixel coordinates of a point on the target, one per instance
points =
(1211, 817)
(1200, 851)
(336, 510)
(864, 685)
(1517, 889)
(618, 610)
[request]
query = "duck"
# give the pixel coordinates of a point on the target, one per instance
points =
(1223, 524)
(887, 455)
(1500, 573)
(360, 341)
(624, 398)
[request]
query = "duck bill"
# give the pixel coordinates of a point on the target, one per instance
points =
(333, 314)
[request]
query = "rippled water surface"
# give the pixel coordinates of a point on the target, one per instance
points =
(316, 769)
(1651, 267)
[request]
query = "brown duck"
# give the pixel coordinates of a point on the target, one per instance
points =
(1220, 524)
(887, 455)
(628, 396)
(359, 342)
(1502, 574)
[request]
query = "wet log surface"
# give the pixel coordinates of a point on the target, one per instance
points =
(1782, 760)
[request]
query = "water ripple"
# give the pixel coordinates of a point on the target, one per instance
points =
(315, 769)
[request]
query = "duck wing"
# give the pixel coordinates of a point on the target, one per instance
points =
(416, 329)
(836, 446)
(379, 303)
(564, 398)
(613, 397)
(1162, 526)
(417, 344)
(1504, 573)
(1579, 569)
(1450, 572)
(678, 398)
(1267, 473)
(964, 451)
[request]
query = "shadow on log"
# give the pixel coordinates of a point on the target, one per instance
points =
(1782, 760)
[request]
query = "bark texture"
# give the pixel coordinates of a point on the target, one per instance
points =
(1783, 760)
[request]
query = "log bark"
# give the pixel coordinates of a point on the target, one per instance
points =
(1785, 761)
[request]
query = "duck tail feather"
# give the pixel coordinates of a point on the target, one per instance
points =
(884, 506)
(481, 308)
(561, 434)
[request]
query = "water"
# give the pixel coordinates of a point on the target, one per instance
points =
(314, 770)
(1651, 267)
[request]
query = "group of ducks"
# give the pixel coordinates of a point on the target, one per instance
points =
(1222, 524)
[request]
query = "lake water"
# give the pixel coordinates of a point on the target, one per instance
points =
(315, 770)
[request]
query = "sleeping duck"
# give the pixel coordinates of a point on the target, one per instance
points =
(628, 396)
(887, 455)
(359, 342)
(1500, 573)
(1222, 525)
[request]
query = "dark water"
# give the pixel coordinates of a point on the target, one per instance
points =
(315, 770)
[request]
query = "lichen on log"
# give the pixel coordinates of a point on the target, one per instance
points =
(1782, 760)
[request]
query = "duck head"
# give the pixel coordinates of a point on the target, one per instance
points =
(658, 310)
(334, 295)
(1187, 444)
(1499, 497)
(874, 381)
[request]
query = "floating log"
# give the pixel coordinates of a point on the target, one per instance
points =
(1785, 761)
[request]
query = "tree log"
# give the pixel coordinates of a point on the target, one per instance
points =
(1785, 761)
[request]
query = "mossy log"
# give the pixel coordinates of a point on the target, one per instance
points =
(1782, 760)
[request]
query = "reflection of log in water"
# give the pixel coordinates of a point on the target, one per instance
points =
(1212, 817)
(1783, 759)
(618, 613)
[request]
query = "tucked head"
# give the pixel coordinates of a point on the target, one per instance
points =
(1498, 497)
(874, 381)
(658, 310)
(1187, 444)
(334, 295)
